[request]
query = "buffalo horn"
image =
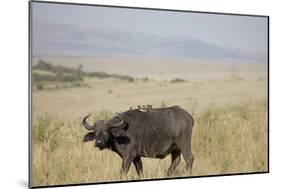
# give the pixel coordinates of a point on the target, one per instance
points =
(86, 125)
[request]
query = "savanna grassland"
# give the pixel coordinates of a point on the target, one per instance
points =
(228, 103)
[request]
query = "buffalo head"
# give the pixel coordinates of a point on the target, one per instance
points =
(103, 131)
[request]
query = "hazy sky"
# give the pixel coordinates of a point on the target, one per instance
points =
(244, 33)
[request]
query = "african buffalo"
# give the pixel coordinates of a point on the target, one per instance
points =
(155, 134)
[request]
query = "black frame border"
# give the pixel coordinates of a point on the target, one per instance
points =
(138, 8)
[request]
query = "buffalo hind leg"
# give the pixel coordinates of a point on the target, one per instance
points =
(176, 157)
(138, 165)
(189, 158)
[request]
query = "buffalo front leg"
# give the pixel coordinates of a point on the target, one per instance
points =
(125, 165)
(138, 165)
(176, 157)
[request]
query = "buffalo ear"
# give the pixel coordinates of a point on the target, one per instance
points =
(120, 131)
(89, 137)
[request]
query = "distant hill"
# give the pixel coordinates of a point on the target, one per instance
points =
(66, 40)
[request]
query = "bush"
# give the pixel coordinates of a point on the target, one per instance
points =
(61, 73)
(76, 84)
(42, 65)
(65, 74)
(145, 79)
(39, 78)
(103, 75)
(39, 87)
(178, 80)
(70, 78)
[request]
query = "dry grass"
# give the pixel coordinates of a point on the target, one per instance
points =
(230, 139)
(120, 95)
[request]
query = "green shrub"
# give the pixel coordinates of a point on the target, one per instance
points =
(75, 84)
(145, 79)
(39, 87)
(103, 75)
(178, 80)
